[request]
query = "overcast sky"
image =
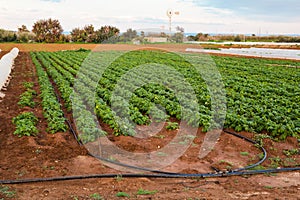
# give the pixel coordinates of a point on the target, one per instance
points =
(208, 16)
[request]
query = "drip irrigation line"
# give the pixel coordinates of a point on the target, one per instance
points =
(173, 173)
(254, 143)
(205, 175)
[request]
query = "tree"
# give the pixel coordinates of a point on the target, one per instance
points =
(48, 30)
(129, 35)
(178, 37)
(107, 34)
(77, 35)
(237, 38)
(24, 37)
(7, 36)
(192, 38)
(23, 29)
(180, 29)
(89, 34)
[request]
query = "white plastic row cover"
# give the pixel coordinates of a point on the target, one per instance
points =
(6, 64)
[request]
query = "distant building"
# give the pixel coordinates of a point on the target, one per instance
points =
(156, 39)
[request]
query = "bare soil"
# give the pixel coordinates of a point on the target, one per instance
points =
(170, 47)
(48, 155)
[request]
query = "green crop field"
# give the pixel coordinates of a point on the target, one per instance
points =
(259, 95)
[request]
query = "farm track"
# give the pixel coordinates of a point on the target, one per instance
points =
(103, 47)
(59, 155)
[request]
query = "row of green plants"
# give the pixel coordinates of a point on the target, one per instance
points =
(51, 107)
(26, 122)
(26, 98)
(261, 95)
(85, 121)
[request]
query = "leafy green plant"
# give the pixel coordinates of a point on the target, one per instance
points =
(172, 126)
(28, 85)
(275, 162)
(291, 152)
(146, 192)
(96, 196)
(26, 98)
(25, 124)
(259, 139)
(122, 194)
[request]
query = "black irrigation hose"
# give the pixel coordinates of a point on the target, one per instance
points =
(161, 174)
(253, 142)
(206, 175)
(173, 173)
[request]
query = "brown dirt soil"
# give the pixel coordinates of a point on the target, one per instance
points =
(170, 47)
(48, 155)
(2, 53)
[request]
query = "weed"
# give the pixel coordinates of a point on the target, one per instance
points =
(7, 192)
(161, 154)
(74, 197)
(146, 192)
(258, 167)
(261, 156)
(96, 196)
(160, 136)
(122, 194)
(289, 161)
(227, 162)
(268, 187)
(259, 139)
(291, 152)
(275, 162)
(38, 151)
(119, 177)
(244, 153)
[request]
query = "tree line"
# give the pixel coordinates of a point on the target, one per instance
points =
(51, 31)
(243, 38)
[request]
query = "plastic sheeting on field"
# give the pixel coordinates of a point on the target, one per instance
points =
(6, 64)
(258, 52)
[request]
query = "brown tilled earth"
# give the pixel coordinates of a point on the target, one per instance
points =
(48, 155)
